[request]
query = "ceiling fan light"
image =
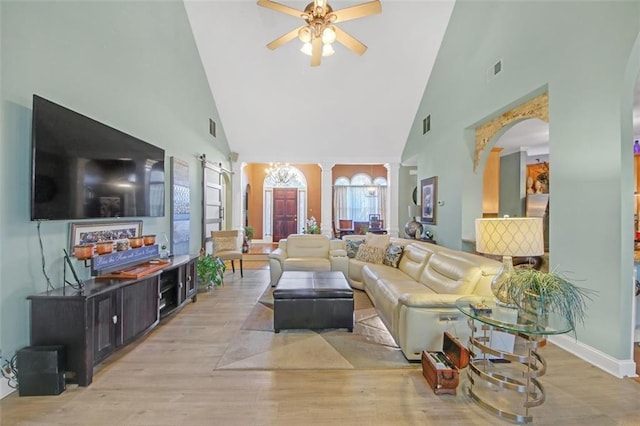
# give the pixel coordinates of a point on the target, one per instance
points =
(304, 34)
(327, 50)
(328, 35)
(307, 49)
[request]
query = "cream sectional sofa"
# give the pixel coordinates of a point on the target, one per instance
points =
(416, 300)
(307, 252)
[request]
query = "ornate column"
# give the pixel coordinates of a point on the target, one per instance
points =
(326, 202)
(393, 179)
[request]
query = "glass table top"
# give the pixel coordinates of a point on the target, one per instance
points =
(511, 319)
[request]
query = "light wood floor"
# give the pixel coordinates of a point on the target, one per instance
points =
(169, 378)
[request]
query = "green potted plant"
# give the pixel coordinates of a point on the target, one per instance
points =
(539, 293)
(312, 226)
(248, 232)
(210, 270)
(248, 236)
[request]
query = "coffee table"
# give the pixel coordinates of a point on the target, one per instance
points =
(312, 300)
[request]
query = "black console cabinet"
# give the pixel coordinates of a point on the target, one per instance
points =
(108, 314)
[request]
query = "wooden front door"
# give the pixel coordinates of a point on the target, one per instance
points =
(285, 212)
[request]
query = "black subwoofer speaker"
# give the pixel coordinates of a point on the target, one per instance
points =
(41, 370)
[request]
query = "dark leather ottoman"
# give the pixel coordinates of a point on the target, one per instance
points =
(312, 300)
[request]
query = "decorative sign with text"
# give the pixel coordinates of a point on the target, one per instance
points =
(122, 259)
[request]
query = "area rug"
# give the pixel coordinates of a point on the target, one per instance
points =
(369, 346)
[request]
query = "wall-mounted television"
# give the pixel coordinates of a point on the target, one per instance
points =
(83, 169)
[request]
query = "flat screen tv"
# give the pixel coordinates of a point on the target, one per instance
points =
(83, 169)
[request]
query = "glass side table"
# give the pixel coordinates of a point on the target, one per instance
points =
(502, 381)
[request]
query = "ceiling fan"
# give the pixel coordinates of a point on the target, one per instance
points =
(319, 31)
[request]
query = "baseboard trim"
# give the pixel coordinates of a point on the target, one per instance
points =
(5, 390)
(616, 367)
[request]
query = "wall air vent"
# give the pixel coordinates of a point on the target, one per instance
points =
(497, 67)
(426, 124)
(494, 70)
(212, 127)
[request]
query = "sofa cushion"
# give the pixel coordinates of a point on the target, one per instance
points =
(307, 264)
(429, 299)
(392, 255)
(376, 240)
(448, 273)
(413, 260)
(307, 245)
(352, 247)
(388, 293)
(370, 254)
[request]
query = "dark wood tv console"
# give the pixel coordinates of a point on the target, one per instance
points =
(109, 313)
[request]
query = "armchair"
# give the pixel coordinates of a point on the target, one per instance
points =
(227, 245)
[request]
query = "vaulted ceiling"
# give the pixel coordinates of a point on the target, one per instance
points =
(275, 107)
(351, 109)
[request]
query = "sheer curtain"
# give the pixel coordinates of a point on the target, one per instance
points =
(340, 204)
(356, 203)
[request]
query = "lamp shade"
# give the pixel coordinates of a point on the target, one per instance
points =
(510, 236)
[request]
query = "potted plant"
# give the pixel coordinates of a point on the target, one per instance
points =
(312, 226)
(248, 232)
(210, 270)
(248, 236)
(539, 293)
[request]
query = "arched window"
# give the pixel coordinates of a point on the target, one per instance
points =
(359, 198)
(360, 179)
(342, 181)
(380, 181)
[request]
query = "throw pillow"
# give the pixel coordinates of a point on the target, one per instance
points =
(225, 243)
(375, 240)
(392, 255)
(352, 247)
(371, 254)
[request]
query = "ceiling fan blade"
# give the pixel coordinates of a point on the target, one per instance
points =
(316, 51)
(359, 11)
(284, 39)
(280, 8)
(349, 42)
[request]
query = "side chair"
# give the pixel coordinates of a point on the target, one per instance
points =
(227, 245)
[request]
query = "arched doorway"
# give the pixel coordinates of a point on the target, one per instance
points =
(525, 124)
(516, 174)
(285, 202)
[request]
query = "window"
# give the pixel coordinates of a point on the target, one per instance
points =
(359, 197)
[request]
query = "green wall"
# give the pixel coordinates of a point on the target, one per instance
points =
(585, 54)
(131, 65)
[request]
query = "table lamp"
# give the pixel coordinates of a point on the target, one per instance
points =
(508, 237)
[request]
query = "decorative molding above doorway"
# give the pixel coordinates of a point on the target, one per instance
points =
(537, 107)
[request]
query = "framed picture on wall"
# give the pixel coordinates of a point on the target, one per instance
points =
(93, 232)
(429, 200)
